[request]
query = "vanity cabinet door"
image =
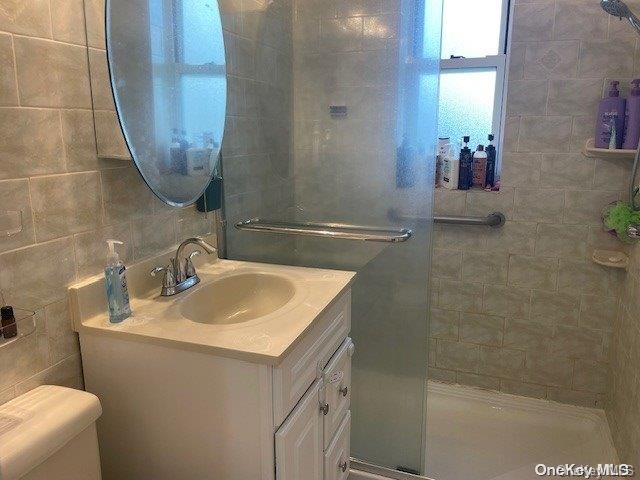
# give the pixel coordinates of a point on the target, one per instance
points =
(336, 458)
(337, 380)
(299, 440)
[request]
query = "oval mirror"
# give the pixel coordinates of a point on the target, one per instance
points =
(167, 67)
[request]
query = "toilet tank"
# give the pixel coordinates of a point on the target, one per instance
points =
(50, 433)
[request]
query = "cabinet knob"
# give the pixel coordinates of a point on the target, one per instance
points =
(343, 465)
(324, 408)
(344, 391)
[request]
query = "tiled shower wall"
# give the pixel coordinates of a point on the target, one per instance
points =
(522, 309)
(623, 409)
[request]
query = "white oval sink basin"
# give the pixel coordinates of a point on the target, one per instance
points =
(238, 298)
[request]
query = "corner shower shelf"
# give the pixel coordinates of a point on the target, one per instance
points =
(25, 323)
(591, 151)
(610, 258)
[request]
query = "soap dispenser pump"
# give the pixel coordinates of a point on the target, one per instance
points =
(116, 285)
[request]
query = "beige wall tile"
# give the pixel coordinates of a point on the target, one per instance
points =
(125, 195)
(457, 355)
(508, 301)
(52, 74)
(67, 373)
(67, 18)
(481, 329)
(63, 341)
(94, 16)
(483, 267)
(464, 297)
(442, 375)
(31, 144)
(582, 399)
(574, 96)
(482, 203)
(539, 205)
(562, 241)
(585, 206)
(14, 195)
(521, 169)
(444, 324)
(611, 174)
(459, 237)
(586, 277)
(527, 97)
(598, 311)
(515, 387)
(570, 170)
(552, 307)
(513, 237)
(35, 276)
(533, 272)
(551, 59)
(446, 264)
(589, 24)
(152, 234)
(532, 22)
(511, 132)
(79, 140)
(23, 358)
(57, 213)
(8, 85)
(109, 136)
(479, 381)
(576, 342)
(591, 376)
(582, 130)
(501, 362)
(606, 57)
(545, 369)
(545, 134)
(26, 17)
(91, 248)
(526, 335)
(100, 81)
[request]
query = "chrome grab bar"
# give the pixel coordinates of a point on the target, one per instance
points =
(330, 230)
(495, 219)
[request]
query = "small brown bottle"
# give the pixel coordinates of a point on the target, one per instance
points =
(8, 321)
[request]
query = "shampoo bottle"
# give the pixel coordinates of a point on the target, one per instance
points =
(450, 171)
(632, 117)
(443, 152)
(116, 284)
(465, 180)
(610, 114)
(479, 167)
(491, 164)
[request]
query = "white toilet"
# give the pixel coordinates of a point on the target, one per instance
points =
(49, 433)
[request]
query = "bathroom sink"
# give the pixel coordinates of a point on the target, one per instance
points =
(238, 298)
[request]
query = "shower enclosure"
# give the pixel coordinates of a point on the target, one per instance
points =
(337, 102)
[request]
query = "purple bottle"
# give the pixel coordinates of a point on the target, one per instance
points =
(611, 111)
(632, 118)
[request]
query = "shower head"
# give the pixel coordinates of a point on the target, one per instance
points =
(619, 9)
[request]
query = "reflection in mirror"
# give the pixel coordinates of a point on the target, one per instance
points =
(167, 67)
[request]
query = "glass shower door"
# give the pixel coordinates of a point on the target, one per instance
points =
(363, 126)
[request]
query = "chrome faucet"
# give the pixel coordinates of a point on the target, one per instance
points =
(180, 274)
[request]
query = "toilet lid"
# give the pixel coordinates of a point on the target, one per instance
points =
(35, 425)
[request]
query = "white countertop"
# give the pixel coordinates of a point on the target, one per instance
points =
(158, 319)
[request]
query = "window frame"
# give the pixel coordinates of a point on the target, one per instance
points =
(500, 62)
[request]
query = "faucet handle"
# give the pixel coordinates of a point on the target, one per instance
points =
(169, 279)
(189, 268)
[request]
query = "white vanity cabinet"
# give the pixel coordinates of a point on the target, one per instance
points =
(172, 412)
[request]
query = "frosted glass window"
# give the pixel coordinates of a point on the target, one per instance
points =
(467, 104)
(471, 28)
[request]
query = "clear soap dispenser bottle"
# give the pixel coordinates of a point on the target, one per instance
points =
(116, 284)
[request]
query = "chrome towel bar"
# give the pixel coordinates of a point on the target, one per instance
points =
(328, 230)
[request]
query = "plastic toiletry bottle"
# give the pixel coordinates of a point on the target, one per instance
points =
(491, 163)
(465, 180)
(632, 117)
(116, 284)
(610, 113)
(443, 151)
(479, 167)
(8, 322)
(450, 171)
